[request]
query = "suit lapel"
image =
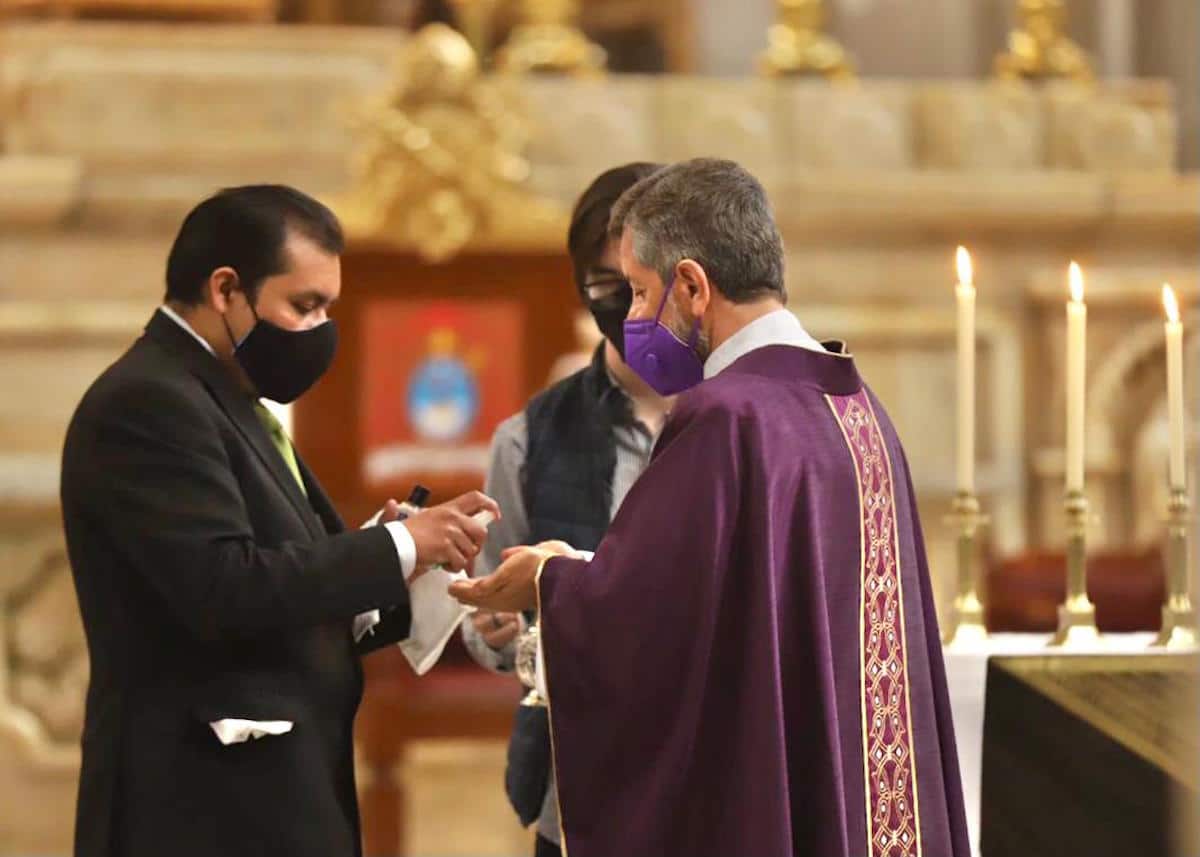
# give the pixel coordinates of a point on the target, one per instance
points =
(320, 501)
(238, 406)
(240, 409)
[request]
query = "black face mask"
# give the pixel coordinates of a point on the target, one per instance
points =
(283, 364)
(610, 312)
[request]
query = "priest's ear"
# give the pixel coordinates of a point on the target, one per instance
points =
(693, 287)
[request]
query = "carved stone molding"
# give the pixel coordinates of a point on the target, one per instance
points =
(43, 656)
(38, 192)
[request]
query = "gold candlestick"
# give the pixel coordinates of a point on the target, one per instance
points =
(1038, 48)
(1077, 614)
(1178, 616)
(798, 45)
(968, 626)
(547, 41)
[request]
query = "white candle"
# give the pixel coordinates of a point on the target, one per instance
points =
(1076, 363)
(1174, 331)
(964, 291)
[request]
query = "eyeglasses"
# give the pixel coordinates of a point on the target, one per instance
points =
(600, 289)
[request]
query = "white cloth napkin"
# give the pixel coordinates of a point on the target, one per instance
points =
(439, 618)
(435, 615)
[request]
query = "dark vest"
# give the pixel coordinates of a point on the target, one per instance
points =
(570, 456)
(567, 485)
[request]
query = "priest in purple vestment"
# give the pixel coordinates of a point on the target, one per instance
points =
(771, 680)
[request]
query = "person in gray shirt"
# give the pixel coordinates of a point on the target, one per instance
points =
(559, 470)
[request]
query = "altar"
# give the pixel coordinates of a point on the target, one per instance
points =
(1091, 753)
(966, 675)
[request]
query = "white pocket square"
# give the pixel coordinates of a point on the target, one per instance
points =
(231, 730)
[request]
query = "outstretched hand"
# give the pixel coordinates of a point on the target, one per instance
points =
(512, 586)
(556, 547)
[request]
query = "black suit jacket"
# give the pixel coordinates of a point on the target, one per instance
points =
(211, 587)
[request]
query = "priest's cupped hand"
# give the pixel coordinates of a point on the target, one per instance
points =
(512, 586)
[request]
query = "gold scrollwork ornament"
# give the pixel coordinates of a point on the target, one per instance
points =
(797, 44)
(548, 42)
(1039, 49)
(441, 163)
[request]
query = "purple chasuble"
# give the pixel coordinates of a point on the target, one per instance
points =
(750, 666)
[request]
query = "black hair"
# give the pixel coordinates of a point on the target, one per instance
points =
(245, 228)
(588, 235)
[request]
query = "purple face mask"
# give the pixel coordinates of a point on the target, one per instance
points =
(664, 361)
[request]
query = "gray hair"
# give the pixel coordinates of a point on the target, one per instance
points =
(712, 212)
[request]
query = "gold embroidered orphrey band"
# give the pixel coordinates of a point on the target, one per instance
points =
(893, 822)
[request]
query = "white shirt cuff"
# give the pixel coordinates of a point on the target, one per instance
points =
(406, 553)
(406, 548)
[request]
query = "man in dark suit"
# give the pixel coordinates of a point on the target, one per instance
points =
(225, 604)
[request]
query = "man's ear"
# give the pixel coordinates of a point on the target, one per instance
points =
(693, 279)
(219, 288)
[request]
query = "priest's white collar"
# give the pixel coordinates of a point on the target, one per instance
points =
(178, 319)
(775, 328)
